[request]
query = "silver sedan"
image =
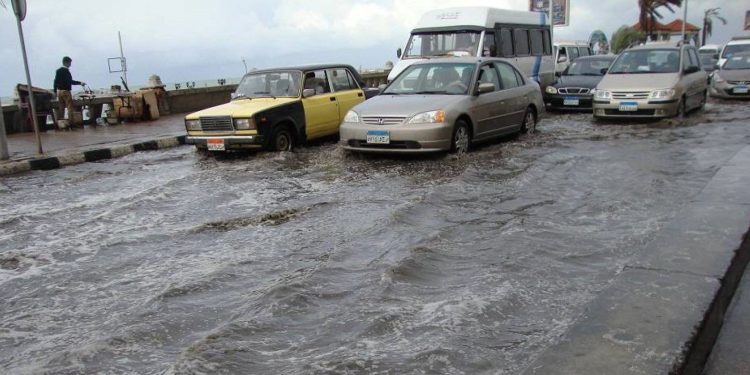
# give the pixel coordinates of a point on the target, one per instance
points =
(444, 105)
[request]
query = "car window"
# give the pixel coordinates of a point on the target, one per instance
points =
(547, 49)
(521, 39)
(732, 49)
(352, 82)
(694, 59)
(340, 80)
(737, 63)
(507, 76)
(489, 48)
(647, 61)
(487, 74)
(429, 79)
(279, 83)
(506, 43)
(519, 78)
(318, 81)
(583, 51)
(537, 44)
(573, 53)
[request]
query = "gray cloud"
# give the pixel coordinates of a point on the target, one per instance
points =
(195, 40)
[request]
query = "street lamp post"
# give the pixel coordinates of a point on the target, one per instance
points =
(19, 8)
(4, 155)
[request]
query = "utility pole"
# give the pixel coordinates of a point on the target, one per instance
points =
(19, 8)
(684, 21)
(4, 155)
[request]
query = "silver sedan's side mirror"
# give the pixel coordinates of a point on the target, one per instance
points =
(306, 93)
(485, 88)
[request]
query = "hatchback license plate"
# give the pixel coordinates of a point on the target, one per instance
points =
(382, 137)
(628, 106)
(571, 101)
(741, 90)
(215, 144)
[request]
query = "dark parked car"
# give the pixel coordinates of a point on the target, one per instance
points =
(575, 85)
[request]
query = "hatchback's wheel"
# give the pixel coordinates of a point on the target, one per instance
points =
(281, 139)
(461, 138)
(529, 122)
(705, 99)
(681, 109)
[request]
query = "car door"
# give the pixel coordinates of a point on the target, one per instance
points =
(698, 79)
(486, 108)
(513, 96)
(347, 92)
(321, 109)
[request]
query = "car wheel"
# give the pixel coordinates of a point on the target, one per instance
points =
(529, 122)
(705, 99)
(281, 139)
(681, 108)
(461, 138)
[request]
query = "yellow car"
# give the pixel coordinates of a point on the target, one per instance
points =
(277, 109)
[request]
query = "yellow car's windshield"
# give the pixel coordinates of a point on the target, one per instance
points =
(269, 85)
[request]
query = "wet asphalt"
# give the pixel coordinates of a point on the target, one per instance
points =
(318, 261)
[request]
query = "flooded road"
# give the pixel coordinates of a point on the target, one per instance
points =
(318, 262)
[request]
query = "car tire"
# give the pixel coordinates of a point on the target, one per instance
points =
(705, 99)
(281, 139)
(529, 121)
(461, 139)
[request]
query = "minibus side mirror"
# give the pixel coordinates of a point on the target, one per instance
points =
(398, 53)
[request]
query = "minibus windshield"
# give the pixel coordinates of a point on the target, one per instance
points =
(435, 44)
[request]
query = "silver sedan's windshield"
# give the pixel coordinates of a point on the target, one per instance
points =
(738, 63)
(269, 84)
(432, 79)
(647, 61)
(460, 43)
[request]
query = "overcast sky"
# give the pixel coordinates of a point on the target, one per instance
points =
(191, 40)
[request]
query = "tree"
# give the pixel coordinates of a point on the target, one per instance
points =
(625, 37)
(708, 22)
(649, 12)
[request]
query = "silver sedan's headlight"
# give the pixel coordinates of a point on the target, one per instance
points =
(551, 90)
(244, 124)
(661, 94)
(603, 95)
(194, 125)
(351, 116)
(718, 78)
(432, 117)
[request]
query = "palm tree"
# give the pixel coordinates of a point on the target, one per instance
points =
(649, 12)
(625, 37)
(708, 22)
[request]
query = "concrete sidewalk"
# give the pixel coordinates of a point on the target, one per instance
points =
(90, 144)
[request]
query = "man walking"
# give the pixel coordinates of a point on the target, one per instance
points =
(63, 84)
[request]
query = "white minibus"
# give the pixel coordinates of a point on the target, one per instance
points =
(522, 38)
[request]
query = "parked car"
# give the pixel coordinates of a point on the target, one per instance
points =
(445, 105)
(277, 109)
(575, 85)
(738, 44)
(709, 62)
(732, 80)
(655, 80)
(567, 52)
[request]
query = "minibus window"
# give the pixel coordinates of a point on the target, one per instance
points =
(459, 43)
(489, 48)
(537, 46)
(573, 53)
(506, 43)
(547, 49)
(521, 38)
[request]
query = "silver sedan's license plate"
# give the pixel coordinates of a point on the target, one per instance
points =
(628, 106)
(382, 137)
(741, 90)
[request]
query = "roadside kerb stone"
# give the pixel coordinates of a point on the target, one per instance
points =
(663, 312)
(87, 155)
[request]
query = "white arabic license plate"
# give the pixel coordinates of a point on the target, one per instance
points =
(741, 90)
(571, 101)
(215, 145)
(628, 106)
(382, 137)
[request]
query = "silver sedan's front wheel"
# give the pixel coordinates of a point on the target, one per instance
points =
(461, 138)
(529, 122)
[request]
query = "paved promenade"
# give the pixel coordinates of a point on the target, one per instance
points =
(90, 144)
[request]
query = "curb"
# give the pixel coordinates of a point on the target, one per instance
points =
(85, 156)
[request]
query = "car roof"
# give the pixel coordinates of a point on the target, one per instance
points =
(595, 57)
(305, 68)
(652, 46)
(464, 59)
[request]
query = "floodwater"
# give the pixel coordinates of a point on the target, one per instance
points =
(318, 262)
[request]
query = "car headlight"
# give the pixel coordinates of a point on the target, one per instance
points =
(603, 94)
(351, 116)
(551, 90)
(661, 94)
(431, 117)
(718, 78)
(194, 125)
(244, 124)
